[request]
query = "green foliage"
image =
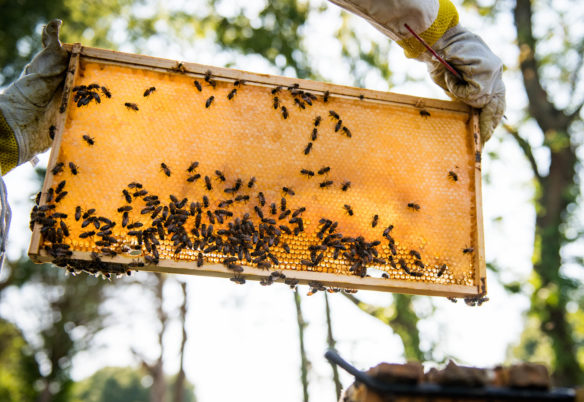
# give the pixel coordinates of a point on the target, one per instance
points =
(18, 368)
(67, 314)
(88, 22)
(121, 384)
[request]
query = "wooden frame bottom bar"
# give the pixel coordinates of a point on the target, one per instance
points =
(332, 281)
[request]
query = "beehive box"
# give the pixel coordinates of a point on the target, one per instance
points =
(177, 167)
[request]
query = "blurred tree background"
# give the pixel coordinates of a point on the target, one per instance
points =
(546, 64)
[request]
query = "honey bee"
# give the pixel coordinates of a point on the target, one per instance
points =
(413, 206)
(149, 91)
(127, 196)
(106, 92)
(347, 131)
(361, 96)
(324, 170)
(374, 221)
(200, 259)
(307, 173)
(452, 176)
(261, 198)
(125, 218)
(338, 125)
(198, 85)
(424, 113)
(240, 280)
(308, 148)
(85, 235)
(273, 209)
(52, 131)
(193, 178)
(467, 250)
(208, 75)
(325, 96)
(284, 112)
(348, 209)
(208, 183)
(238, 83)
(220, 175)
(205, 201)
(288, 191)
(276, 90)
(232, 94)
(209, 101)
(299, 103)
(276, 102)
(334, 115)
(317, 120)
(88, 139)
(77, 213)
(60, 187)
(415, 254)
(57, 168)
(477, 157)
(61, 196)
(242, 198)
(441, 270)
(131, 106)
(73, 167)
(251, 182)
(326, 183)
(283, 204)
(192, 167)
(345, 186)
(314, 135)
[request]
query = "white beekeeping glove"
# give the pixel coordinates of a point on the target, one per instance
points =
(436, 21)
(22, 108)
(23, 104)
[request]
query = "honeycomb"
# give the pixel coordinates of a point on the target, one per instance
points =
(372, 189)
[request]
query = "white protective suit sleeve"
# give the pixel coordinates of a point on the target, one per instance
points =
(436, 21)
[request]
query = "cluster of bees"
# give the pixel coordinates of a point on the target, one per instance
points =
(196, 227)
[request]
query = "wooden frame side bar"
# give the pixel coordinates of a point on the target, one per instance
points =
(60, 120)
(481, 274)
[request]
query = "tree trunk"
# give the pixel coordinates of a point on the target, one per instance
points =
(158, 388)
(557, 190)
(331, 344)
(303, 358)
(179, 385)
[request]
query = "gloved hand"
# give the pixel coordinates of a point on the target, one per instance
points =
(23, 104)
(481, 70)
(436, 21)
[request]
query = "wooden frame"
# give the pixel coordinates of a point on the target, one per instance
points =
(304, 277)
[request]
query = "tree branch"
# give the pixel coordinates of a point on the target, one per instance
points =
(331, 344)
(544, 112)
(303, 359)
(527, 150)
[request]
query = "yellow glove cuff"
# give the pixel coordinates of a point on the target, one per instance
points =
(447, 18)
(8, 146)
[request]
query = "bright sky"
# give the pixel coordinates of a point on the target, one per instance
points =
(243, 341)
